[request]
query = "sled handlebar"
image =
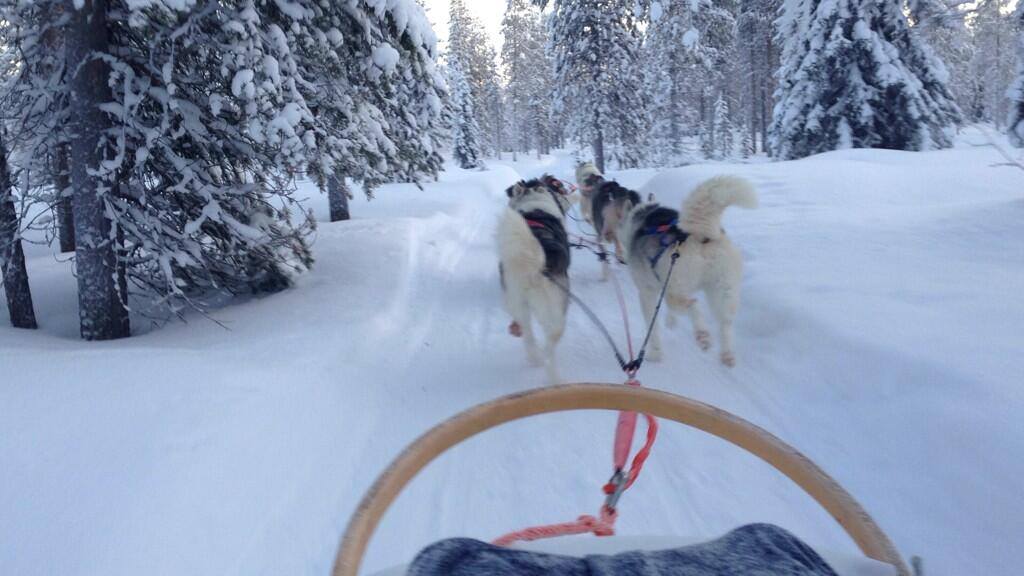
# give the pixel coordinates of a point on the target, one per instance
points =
(854, 520)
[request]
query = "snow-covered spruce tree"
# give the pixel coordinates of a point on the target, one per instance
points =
(465, 131)
(992, 66)
(528, 77)
(690, 56)
(468, 42)
(596, 51)
(185, 166)
(723, 143)
(1015, 123)
(853, 75)
(757, 54)
(943, 29)
(372, 85)
(12, 258)
(670, 58)
(35, 106)
(518, 61)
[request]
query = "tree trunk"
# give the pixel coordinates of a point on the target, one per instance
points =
(753, 99)
(337, 196)
(764, 92)
(101, 308)
(62, 186)
(12, 258)
(598, 145)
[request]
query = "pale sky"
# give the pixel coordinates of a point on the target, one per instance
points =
(487, 11)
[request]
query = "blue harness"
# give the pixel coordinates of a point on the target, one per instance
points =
(668, 235)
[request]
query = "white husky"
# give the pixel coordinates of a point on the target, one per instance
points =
(707, 262)
(533, 249)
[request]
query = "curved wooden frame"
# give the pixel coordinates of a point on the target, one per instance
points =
(797, 467)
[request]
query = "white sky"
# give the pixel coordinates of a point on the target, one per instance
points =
(487, 11)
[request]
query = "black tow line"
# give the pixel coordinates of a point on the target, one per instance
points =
(632, 366)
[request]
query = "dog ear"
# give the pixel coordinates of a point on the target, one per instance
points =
(515, 189)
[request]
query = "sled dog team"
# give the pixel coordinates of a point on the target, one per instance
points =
(533, 250)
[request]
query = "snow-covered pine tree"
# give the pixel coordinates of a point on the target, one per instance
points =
(185, 165)
(469, 43)
(36, 110)
(853, 75)
(943, 28)
(596, 51)
(373, 87)
(415, 88)
(757, 53)
(12, 258)
(722, 130)
(992, 66)
(519, 55)
(670, 57)
(1015, 122)
(539, 109)
(465, 131)
(747, 148)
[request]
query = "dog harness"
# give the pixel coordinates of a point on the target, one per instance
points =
(668, 235)
(663, 223)
(549, 231)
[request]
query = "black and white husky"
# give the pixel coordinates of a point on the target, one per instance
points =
(604, 204)
(533, 249)
(708, 261)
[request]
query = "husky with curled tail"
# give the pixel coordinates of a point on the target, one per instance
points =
(533, 249)
(708, 261)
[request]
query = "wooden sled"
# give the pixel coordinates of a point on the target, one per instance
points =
(854, 520)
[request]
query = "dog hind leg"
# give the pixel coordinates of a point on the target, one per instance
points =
(700, 328)
(551, 312)
(724, 305)
(518, 307)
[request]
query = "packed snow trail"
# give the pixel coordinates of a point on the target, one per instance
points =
(879, 333)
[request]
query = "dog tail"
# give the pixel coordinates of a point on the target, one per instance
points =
(521, 254)
(702, 210)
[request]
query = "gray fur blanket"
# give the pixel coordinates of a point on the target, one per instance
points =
(753, 550)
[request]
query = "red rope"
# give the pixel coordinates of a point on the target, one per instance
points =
(645, 451)
(604, 525)
(625, 429)
(586, 524)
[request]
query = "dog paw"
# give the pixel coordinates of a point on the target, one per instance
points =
(728, 359)
(515, 329)
(704, 341)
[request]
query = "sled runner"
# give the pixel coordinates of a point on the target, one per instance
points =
(855, 521)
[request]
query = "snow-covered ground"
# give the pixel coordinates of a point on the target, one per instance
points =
(880, 333)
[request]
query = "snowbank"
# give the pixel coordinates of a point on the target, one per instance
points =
(879, 333)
